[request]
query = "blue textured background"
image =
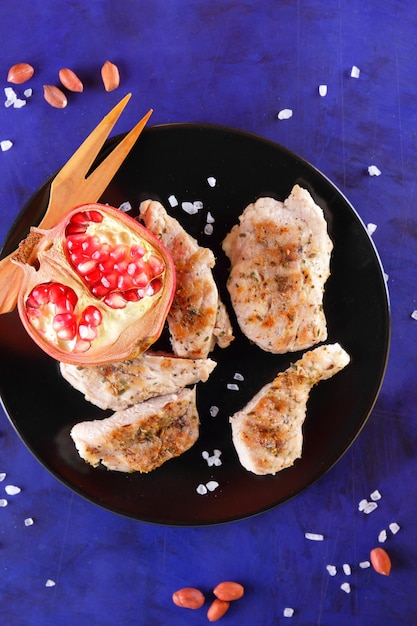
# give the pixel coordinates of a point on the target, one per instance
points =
(237, 64)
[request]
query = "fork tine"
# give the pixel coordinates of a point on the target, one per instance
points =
(99, 179)
(82, 159)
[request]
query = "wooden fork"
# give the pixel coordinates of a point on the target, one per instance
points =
(72, 187)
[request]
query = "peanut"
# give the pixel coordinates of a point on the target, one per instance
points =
(217, 609)
(188, 598)
(20, 73)
(54, 96)
(381, 561)
(70, 80)
(110, 76)
(228, 591)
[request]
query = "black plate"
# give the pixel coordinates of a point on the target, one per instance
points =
(178, 159)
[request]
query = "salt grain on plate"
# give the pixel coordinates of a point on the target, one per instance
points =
(382, 537)
(19, 103)
(209, 218)
(6, 144)
(125, 207)
(29, 521)
(355, 72)
(212, 485)
(345, 587)
(50, 583)
(201, 489)
(214, 410)
(394, 527)
(414, 315)
(332, 569)
(288, 612)
(28, 93)
(314, 536)
(323, 90)
(232, 387)
(285, 114)
(371, 228)
(375, 495)
(173, 201)
(211, 181)
(238, 376)
(12, 490)
(3, 502)
(2, 476)
(208, 229)
(362, 504)
(364, 564)
(347, 569)
(373, 170)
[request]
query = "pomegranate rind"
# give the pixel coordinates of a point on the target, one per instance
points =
(126, 332)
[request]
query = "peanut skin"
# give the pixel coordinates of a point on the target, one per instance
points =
(188, 598)
(217, 609)
(229, 591)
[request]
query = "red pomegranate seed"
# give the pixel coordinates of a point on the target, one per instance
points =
(115, 300)
(65, 326)
(87, 332)
(80, 218)
(94, 216)
(86, 267)
(137, 251)
(92, 316)
(131, 295)
(155, 264)
(141, 280)
(119, 252)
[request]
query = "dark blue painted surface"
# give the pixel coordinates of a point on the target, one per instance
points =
(237, 64)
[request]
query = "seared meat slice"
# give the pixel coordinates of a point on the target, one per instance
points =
(280, 260)
(142, 437)
(197, 319)
(124, 383)
(267, 432)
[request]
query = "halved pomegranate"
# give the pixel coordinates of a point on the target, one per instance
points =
(97, 286)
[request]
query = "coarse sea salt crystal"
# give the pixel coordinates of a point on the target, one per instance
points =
(214, 410)
(370, 506)
(232, 387)
(209, 218)
(414, 314)
(212, 485)
(3, 502)
(288, 612)
(375, 495)
(239, 376)
(364, 564)
(285, 114)
(314, 536)
(5, 145)
(29, 521)
(332, 569)
(201, 489)
(323, 90)
(355, 72)
(371, 228)
(345, 587)
(50, 583)
(28, 92)
(12, 490)
(2, 476)
(173, 201)
(394, 527)
(19, 103)
(208, 229)
(347, 569)
(211, 181)
(382, 537)
(362, 504)
(125, 207)
(373, 170)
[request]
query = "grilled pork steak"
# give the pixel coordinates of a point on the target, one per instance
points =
(280, 257)
(197, 318)
(142, 437)
(267, 432)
